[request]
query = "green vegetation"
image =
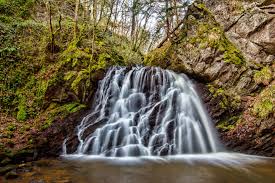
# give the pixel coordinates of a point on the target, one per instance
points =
(61, 111)
(263, 76)
(16, 8)
(228, 100)
(11, 127)
(39, 87)
(34, 80)
(158, 56)
(224, 126)
(45, 80)
(22, 114)
(265, 103)
(206, 33)
(231, 53)
(229, 124)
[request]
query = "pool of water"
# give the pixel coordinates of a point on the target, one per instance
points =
(209, 168)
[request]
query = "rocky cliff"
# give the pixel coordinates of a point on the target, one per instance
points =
(229, 47)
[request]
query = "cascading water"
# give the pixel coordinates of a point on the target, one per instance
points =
(145, 111)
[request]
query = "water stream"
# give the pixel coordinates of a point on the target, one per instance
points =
(146, 111)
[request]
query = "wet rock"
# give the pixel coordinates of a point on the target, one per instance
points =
(164, 151)
(6, 169)
(37, 181)
(49, 142)
(24, 155)
(23, 168)
(5, 161)
(11, 175)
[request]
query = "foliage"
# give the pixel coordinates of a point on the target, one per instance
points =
(16, 8)
(32, 79)
(22, 114)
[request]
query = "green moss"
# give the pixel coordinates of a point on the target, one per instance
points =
(263, 108)
(265, 104)
(42, 86)
(72, 107)
(219, 93)
(225, 127)
(11, 127)
(228, 100)
(22, 114)
(60, 111)
(9, 134)
(83, 76)
(30, 141)
(263, 76)
(202, 6)
(24, 128)
(231, 53)
(158, 56)
(212, 36)
(228, 124)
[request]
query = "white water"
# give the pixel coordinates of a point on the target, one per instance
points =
(145, 112)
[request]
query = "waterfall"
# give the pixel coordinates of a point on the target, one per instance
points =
(145, 111)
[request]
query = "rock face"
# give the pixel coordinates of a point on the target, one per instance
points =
(229, 47)
(248, 25)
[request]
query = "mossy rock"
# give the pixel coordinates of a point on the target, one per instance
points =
(265, 103)
(159, 56)
(5, 161)
(22, 155)
(11, 175)
(6, 169)
(263, 76)
(228, 100)
(228, 124)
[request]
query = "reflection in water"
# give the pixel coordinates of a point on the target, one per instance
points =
(208, 168)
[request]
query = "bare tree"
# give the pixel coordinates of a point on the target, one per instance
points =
(77, 2)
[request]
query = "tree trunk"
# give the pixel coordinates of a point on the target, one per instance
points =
(167, 18)
(176, 11)
(133, 19)
(110, 15)
(95, 12)
(172, 32)
(77, 2)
